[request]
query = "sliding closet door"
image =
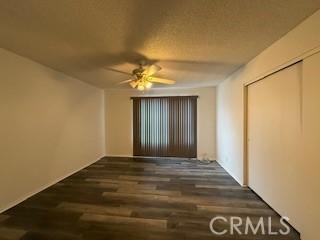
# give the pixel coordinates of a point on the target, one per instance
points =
(165, 126)
(274, 138)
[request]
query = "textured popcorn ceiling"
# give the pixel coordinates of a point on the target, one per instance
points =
(196, 42)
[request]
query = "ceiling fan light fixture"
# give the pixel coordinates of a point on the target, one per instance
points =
(140, 87)
(148, 85)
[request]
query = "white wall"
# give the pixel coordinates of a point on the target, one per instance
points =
(230, 114)
(230, 126)
(119, 119)
(51, 125)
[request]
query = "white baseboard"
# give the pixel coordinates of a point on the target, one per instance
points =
(131, 156)
(30, 194)
(118, 155)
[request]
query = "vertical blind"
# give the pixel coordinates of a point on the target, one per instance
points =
(165, 126)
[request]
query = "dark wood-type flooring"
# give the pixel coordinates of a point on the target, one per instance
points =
(137, 198)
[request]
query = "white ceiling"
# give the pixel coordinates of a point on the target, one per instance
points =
(196, 42)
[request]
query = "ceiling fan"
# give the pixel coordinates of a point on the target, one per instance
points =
(142, 77)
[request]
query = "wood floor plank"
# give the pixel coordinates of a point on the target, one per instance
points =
(114, 181)
(222, 187)
(144, 178)
(125, 220)
(95, 209)
(237, 210)
(149, 191)
(11, 233)
(3, 217)
(150, 197)
(138, 187)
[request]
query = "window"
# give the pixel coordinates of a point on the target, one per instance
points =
(165, 126)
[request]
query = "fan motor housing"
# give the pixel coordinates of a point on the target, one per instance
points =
(138, 72)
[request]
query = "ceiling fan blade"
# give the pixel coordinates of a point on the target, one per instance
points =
(161, 80)
(151, 70)
(133, 84)
(125, 81)
(118, 71)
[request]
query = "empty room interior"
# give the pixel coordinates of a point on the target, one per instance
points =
(162, 120)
